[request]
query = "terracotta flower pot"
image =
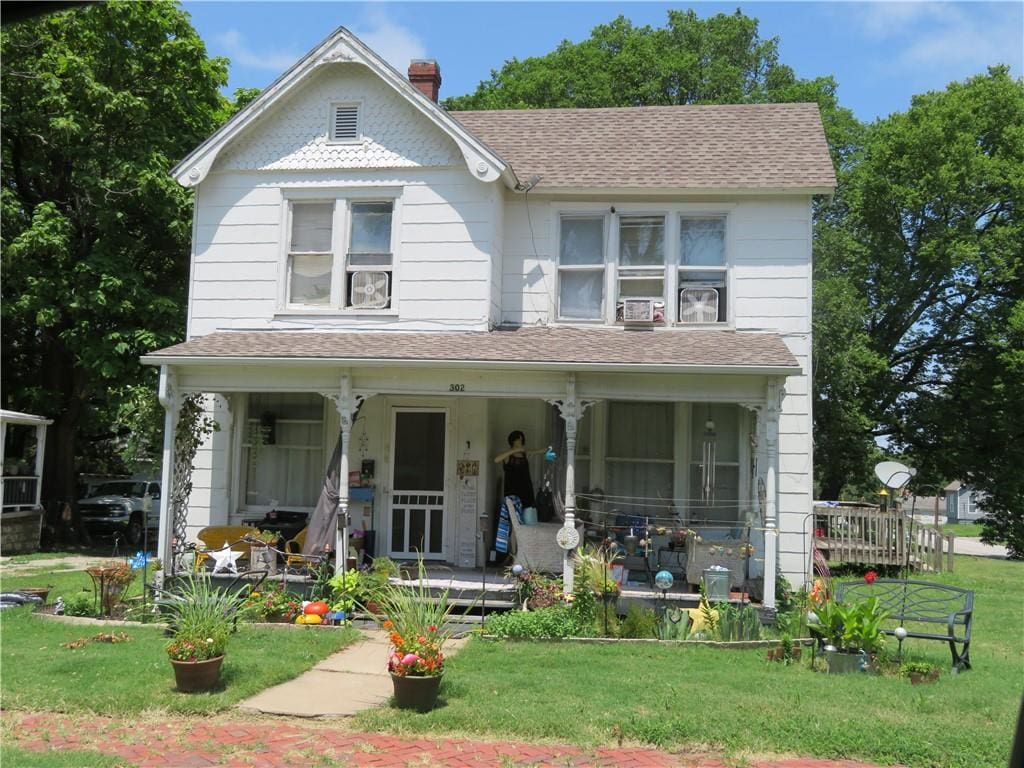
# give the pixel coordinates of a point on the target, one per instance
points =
(416, 692)
(195, 676)
(920, 678)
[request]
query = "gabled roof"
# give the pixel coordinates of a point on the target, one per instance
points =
(342, 46)
(756, 147)
(520, 347)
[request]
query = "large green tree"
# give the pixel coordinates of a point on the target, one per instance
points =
(97, 105)
(721, 59)
(918, 269)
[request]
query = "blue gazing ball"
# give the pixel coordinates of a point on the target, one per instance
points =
(663, 580)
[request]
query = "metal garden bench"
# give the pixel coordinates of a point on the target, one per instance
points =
(921, 608)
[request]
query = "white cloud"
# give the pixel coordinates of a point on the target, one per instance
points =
(943, 37)
(236, 49)
(396, 44)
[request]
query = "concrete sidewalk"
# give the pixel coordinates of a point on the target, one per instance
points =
(969, 545)
(339, 686)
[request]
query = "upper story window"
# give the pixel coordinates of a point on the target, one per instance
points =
(664, 267)
(641, 266)
(340, 254)
(581, 268)
(703, 271)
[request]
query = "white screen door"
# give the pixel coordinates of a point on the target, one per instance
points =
(417, 484)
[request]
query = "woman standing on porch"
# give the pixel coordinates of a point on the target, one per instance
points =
(517, 469)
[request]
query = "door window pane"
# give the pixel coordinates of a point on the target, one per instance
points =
(582, 241)
(435, 545)
(417, 529)
(312, 227)
(580, 294)
(419, 451)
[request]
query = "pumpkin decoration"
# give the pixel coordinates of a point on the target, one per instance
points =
(316, 608)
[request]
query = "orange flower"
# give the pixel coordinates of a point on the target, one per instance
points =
(388, 624)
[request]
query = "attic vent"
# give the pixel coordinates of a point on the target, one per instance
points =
(345, 123)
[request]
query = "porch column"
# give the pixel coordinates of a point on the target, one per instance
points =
(348, 405)
(40, 454)
(571, 410)
(170, 399)
(773, 402)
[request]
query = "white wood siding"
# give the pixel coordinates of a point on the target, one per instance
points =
(443, 267)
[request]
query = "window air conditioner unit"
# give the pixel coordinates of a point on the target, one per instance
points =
(638, 311)
(698, 305)
(370, 290)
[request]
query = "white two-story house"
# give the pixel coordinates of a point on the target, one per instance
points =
(629, 286)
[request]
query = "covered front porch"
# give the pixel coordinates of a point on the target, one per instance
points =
(677, 462)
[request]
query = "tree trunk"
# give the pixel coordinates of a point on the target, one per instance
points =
(60, 487)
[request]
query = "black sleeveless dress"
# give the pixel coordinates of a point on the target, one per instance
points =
(517, 480)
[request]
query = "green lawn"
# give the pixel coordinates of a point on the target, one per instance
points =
(57, 758)
(962, 529)
(135, 676)
(734, 701)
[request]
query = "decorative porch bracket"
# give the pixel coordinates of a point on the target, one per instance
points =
(348, 404)
(571, 409)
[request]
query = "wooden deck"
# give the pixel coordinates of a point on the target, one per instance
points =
(868, 535)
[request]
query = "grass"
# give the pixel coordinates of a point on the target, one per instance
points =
(62, 758)
(134, 677)
(962, 529)
(734, 701)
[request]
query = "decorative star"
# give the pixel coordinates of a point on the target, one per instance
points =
(224, 559)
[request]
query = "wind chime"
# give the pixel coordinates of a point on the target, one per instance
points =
(707, 467)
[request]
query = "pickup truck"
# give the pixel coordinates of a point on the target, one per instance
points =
(125, 507)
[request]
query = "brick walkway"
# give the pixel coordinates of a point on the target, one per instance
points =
(254, 742)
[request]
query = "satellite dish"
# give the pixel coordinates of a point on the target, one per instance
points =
(894, 475)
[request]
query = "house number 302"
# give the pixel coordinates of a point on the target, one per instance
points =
(456, 387)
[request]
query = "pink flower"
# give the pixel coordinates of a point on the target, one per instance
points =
(410, 659)
(870, 577)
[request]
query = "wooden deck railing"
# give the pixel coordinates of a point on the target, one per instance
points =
(872, 536)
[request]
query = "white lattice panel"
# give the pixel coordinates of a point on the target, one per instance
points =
(294, 134)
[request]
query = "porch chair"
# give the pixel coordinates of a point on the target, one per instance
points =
(293, 548)
(535, 546)
(214, 537)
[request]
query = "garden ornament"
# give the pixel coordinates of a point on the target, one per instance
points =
(224, 559)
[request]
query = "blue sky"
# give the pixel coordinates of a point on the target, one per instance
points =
(880, 53)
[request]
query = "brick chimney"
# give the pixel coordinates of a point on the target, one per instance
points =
(426, 75)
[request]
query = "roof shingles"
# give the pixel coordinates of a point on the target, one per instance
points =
(714, 147)
(538, 345)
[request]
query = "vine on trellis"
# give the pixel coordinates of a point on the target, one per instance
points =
(193, 427)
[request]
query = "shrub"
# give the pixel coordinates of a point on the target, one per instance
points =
(639, 622)
(81, 604)
(555, 621)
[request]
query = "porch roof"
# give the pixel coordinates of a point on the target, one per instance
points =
(523, 347)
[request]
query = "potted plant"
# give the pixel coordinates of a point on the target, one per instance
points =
(372, 581)
(202, 618)
(416, 624)
(920, 672)
(852, 633)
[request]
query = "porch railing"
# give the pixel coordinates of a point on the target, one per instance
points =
(871, 536)
(18, 490)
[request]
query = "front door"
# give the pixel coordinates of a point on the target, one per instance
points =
(417, 484)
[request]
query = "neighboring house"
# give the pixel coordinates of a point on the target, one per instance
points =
(632, 286)
(962, 503)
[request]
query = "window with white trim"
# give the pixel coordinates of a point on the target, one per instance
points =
(703, 270)
(324, 271)
(641, 263)
(581, 268)
(640, 455)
